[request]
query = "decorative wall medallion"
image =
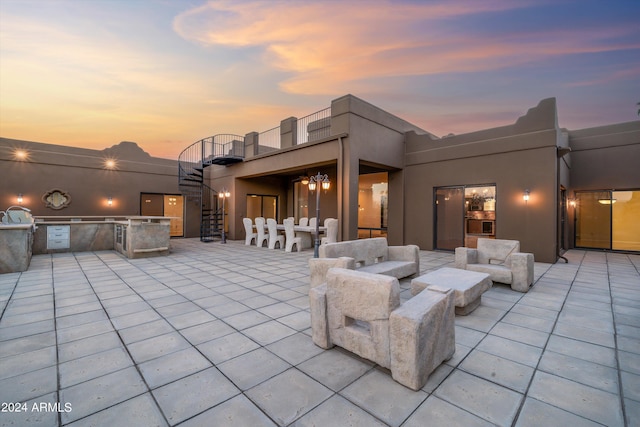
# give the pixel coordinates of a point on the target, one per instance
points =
(56, 199)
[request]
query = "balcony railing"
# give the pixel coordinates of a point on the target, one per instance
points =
(222, 149)
(314, 126)
(270, 138)
(225, 149)
(217, 149)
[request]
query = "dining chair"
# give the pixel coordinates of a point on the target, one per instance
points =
(274, 237)
(304, 221)
(291, 238)
(248, 231)
(262, 236)
(331, 235)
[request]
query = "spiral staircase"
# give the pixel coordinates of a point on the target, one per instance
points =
(223, 150)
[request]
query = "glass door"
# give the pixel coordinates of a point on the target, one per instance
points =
(260, 205)
(165, 205)
(174, 207)
(626, 220)
(449, 216)
(463, 214)
(373, 204)
(301, 201)
(608, 220)
(593, 219)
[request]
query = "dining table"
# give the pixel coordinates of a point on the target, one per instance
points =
(307, 233)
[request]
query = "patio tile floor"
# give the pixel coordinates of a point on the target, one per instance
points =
(219, 334)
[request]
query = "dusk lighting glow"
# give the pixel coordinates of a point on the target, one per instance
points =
(168, 73)
(21, 155)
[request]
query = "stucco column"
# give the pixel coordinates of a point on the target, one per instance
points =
(288, 132)
(251, 144)
(350, 177)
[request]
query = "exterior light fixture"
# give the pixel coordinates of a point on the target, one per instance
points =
(326, 183)
(110, 201)
(313, 184)
(572, 203)
(525, 196)
(609, 201)
(304, 179)
(20, 198)
(21, 155)
(224, 195)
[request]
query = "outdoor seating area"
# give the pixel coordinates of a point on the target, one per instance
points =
(361, 312)
(501, 259)
(468, 286)
(375, 256)
(267, 232)
(215, 334)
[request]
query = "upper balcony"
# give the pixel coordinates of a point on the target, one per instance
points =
(225, 149)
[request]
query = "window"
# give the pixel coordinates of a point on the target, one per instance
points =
(301, 200)
(262, 205)
(373, 204)
(608, 220)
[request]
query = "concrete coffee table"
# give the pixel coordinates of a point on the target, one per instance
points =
(468, 286)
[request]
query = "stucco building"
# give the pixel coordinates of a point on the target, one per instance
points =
(532, 180)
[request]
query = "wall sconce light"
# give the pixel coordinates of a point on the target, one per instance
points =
(572, 203)
(110, 201)
(608, 201)
(525, 196)
(20, 198)
(110, 164)
(21, 155)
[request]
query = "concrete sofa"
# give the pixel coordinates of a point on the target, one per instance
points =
(361, 312)
(501, 259)
(366, 255)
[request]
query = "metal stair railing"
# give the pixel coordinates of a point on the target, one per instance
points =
(210, 215)
(221, 149)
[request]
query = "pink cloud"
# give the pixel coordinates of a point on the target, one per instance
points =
(329, 53)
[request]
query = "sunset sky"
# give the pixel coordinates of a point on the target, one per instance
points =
(166, 73)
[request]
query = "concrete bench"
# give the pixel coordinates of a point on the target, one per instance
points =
(501, 259)
(361, 312)
(468, 286)
(366, 255)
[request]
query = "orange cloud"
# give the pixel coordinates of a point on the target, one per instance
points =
(331, 47)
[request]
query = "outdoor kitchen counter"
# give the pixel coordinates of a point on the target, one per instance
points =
(133, 236)
(15, 247)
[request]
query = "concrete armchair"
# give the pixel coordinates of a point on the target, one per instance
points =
(361, 312)
(501, 259)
